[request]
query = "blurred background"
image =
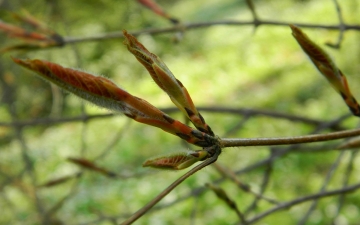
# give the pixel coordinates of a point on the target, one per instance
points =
(247, 81)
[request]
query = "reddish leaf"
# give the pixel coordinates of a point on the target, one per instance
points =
(43, 37)
(29, 46)
(91, 166)
(153, 6)
(105, 93)
(177, 160)
(15, 31)
(164, 78)
(327, 67)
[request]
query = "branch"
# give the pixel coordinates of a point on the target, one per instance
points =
(328, 177)
(54, 121)
(198, 25)
(346, 178)
(241, 142)
(289, 204)
(341, 26)
(227, 173)
(228, 110)
(260, 163)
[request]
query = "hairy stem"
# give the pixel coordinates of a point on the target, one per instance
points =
(239, 142)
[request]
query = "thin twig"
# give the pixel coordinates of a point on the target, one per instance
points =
(118, 136)
(54, 121)
(232, 176)
(267, 161)
(26, 159)
(62, 201)
(194, 210)
(153, 202)
(237, 126)
(341, 27)
(287, 205)
(251, 6)
(328, 177)
(227, 110)
(346, 178)
(265, 182)
(198, 25)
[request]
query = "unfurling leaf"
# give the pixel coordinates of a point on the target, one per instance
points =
(29, 46)
(105, 93)
(177, 160)
(57, 181)
(327, 67)
(33, 40)
(91, 166)
(40, 37)
(164, 78)
(18, 32)
(151, 4)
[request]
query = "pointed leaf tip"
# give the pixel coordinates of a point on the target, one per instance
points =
(165, 79)
(104, 93)
(176, 161)
(327, 67)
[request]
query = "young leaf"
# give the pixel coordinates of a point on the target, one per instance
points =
(105, 93)
(326, 67)
(15, 31)
(164, 78)
(91, 166)
(32, 40)
(176, 161)
(57, 181)
(150, 4)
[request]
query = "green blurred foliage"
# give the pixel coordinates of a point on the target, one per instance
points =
(234, 66)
